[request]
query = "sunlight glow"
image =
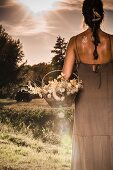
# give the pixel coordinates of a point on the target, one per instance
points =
(66, 140)
(61, 115)
(39, 5)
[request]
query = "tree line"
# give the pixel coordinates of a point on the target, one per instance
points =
(14, 72)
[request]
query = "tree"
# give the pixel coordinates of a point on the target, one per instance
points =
(11, 56)
(59, 51)
(40, 70)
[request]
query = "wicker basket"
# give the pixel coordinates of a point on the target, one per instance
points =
(69, 99)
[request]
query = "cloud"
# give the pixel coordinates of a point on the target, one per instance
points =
(69, 4)
(18, 20)
(77, 4)
(63, 22)
(108, 4)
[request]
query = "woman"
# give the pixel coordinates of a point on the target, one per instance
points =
(92, 51)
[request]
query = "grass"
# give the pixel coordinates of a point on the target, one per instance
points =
(22, 152)
(33, 105)
(34, 136)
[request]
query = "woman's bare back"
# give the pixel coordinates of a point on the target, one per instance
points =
(84, 47)
(81, 47)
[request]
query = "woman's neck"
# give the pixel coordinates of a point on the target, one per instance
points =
(90, 30)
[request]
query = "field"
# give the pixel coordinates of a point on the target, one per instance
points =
(34, 137)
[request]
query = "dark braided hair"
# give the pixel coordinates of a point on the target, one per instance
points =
(93, 15)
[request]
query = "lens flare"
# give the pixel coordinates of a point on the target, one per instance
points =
(61, 115)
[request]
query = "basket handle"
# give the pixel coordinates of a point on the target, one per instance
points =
(53, 72)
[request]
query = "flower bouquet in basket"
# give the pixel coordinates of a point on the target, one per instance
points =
(58, 91)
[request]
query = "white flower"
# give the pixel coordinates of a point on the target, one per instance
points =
(59, 77)
(80, 85)
(49, 96)
(68, 85)
(62, 98)
(68, 93)
(55, 81)
(56, 97)
(45, 91)
(74, 90)
(77, 86)
(40, 95)
(50, 91)
(73, 82)
(62, 90)
(62, 74)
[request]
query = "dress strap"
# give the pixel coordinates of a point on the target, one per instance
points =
(77, 55)
(111, 57)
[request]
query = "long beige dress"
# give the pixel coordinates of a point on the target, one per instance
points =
(93, 119)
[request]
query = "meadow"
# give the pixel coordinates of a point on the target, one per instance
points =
(33, 136)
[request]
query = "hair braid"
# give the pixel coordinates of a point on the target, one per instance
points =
(93, 14)
(96, 40)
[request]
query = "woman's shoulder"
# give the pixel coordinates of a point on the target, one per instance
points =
(78, 36)
(88, 34)
(111, 36)
(105, 34)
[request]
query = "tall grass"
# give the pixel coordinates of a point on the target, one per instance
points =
(39, 122)
(35, 137)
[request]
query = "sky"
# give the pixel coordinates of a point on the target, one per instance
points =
(37, 23)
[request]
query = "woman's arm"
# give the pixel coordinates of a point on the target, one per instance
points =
(69, 59)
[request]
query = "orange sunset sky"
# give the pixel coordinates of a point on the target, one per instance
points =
(37, 23)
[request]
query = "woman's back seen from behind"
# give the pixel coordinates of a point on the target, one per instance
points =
(84, 47)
